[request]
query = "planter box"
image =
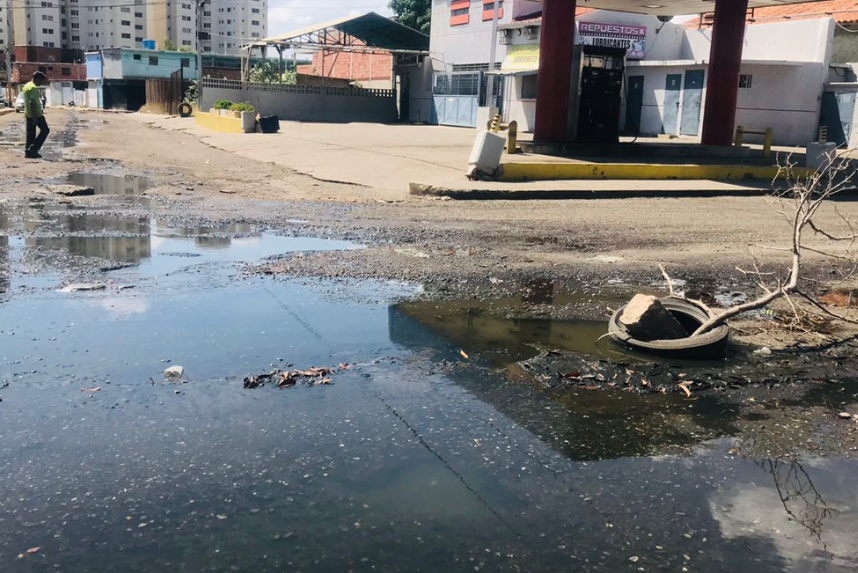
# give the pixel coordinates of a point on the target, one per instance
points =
(248, 121)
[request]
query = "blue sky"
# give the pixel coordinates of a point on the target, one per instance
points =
(286, 15)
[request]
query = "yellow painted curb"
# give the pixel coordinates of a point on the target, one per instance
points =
(559, 171)
(218, 122)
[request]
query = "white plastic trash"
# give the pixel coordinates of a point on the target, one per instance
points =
(486, 154)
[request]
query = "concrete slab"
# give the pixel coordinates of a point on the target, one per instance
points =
(390, 158)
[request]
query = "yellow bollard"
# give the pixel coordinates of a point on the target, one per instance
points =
(512, 137)
(495, 124)
(823, 134)
(767, 142)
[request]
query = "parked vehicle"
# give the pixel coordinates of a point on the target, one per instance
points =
(19, 103)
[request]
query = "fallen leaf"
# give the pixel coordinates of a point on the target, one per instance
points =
(95, 389)
(464, 355)
(590, 387)
(32, 550)
(344, 366)
(845, 415)
(684, 386)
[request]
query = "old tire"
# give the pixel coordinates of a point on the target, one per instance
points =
(185, 110)
(712, 344)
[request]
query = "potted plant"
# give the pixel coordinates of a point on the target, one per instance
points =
(222, 107)
(247, 113)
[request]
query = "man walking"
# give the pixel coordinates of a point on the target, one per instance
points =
(35, 116)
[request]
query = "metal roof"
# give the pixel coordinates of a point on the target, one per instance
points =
(371, 30)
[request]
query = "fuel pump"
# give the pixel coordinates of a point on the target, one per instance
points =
(597, 82)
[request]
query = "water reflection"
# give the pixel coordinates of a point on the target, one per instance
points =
(53, 232)
(108, 184)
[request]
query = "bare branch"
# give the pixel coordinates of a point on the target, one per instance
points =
(825, 310)
(668, 279)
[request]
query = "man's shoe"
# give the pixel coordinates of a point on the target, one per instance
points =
(32, 155)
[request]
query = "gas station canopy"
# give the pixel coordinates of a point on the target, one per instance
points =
(669, 7)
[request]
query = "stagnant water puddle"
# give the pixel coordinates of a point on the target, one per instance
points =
(14, 135)
(413, 459)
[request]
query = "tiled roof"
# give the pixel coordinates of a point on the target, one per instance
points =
(843, 11)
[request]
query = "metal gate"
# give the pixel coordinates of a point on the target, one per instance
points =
(455, 98)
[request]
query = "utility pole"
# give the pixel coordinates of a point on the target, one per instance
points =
(10, 47)
(490, 82)
(200, 9)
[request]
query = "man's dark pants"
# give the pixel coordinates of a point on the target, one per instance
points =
(34, 143)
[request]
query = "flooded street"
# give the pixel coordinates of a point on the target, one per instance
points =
(443, 442)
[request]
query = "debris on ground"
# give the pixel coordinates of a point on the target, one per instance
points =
(94, 389)
(174, 372)
(845, 415)
(316, 376)
(645, 318)
(82, 287)
(70, 190)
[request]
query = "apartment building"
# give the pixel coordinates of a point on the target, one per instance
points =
(229, 24)
(97, 24)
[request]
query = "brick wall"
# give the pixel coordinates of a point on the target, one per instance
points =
(37, 54)
(350, 66)
(22, 72)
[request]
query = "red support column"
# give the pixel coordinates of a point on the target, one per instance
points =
(725, 57)
(555, 69)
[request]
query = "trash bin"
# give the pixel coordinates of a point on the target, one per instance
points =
(269, 124)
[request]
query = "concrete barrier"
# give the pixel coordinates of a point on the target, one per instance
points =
(218, 122)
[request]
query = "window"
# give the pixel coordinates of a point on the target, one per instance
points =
(528, 87)
(489, 10)
(153, 60)
(186, 62)
(126, 36)
(65, 71)
(138, 57)
(745, 81)
(460, 12)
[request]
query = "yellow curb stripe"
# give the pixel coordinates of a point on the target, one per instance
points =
(641, 171)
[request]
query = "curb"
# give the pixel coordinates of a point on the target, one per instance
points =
(517, 172)
(420, 189)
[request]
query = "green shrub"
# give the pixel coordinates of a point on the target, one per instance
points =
(223, 104)
(241, 107)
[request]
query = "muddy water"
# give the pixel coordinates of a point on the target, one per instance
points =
(414, 459)
(14, 135)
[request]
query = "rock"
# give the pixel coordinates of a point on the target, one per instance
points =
(70, 190)
(77, 287)
(764, 351)
(174, 372)
(845, 415)
(645, 318)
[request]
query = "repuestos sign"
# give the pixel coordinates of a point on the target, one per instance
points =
(632, 38)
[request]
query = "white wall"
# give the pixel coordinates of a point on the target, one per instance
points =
(772, 101)
(467, 44)
(800, 41)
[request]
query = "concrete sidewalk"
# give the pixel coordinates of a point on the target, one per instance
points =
(393, 160)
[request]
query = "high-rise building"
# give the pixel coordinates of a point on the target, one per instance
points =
(96, 24)
(231, 23)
